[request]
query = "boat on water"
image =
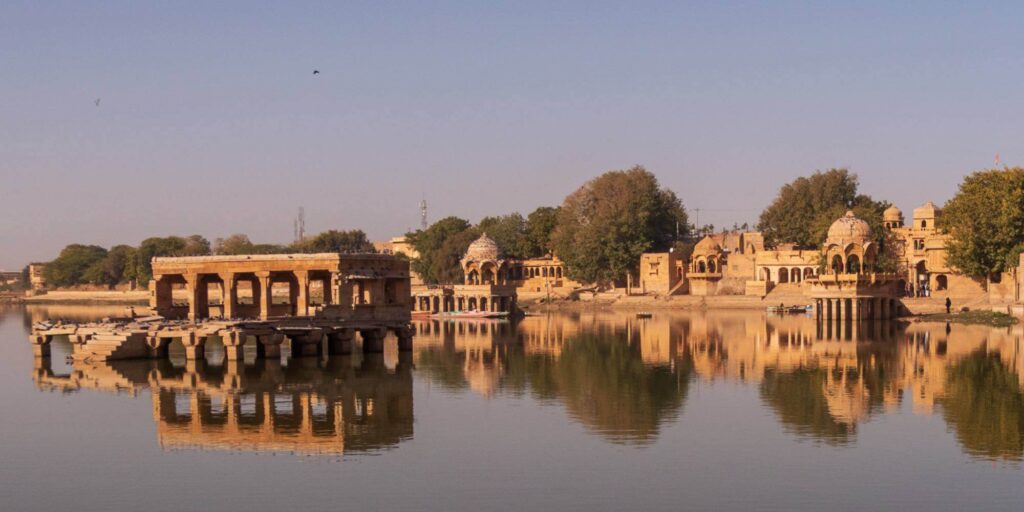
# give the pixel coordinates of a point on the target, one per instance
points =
(794, 310)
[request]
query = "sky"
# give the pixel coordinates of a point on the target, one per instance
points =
(211, 121)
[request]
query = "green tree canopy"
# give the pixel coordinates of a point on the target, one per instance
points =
(985, 220)
(539, 226)
(605, 225)
(233, 245)
(439, 258)
(353, 241)
(77, 264)
(804, 209)
(120, 265)
(194, 245)
(509, 232)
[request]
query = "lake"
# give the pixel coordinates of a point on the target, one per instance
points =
(725, 410)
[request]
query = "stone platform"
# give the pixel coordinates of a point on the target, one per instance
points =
(150, 337)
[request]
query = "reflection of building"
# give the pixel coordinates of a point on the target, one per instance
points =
(343, 408)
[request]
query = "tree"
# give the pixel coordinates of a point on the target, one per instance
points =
(985, 220)
(194, 245)
(76, 264)
(804, 209)
(353, 241)
(539, 226)
(509, 232)
(120, 265)
(605, 225)
(233, 245)
(435, 263)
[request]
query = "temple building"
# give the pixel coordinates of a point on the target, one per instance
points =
(489, 285)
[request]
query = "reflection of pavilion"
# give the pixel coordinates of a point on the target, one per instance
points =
(341, 406)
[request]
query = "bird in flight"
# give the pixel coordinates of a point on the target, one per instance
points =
(97, 102)
(316, 71)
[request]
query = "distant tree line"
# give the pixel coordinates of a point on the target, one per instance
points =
(79, 264)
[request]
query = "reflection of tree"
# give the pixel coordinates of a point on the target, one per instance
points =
(606, 386)
(984, 405)
(798, 399)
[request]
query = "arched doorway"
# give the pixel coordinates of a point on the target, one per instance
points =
(852, 264)
(837, 264)
(921, 282)
(783, 275)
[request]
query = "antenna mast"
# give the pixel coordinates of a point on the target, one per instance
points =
(300, 225)
(423, 214)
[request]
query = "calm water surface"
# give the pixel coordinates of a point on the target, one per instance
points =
(591, 411)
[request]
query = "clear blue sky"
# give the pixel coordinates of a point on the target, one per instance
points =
(211, 121)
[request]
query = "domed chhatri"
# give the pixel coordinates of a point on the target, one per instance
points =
(483, 263)
(707, 245)
(892, 218)
(483, 249)
(849, 229)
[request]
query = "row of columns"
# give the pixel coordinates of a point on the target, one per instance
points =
(861, 308)
(452, 303)
(197, 286)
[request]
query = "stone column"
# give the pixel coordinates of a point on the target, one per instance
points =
(269, 346)
(233, 345)
(195, 346)
(340, 342)
(404, 336)
(40, 345)
(855, 310)
(302, 298)
(192, 288)
(335, 288)
(157, 347)
(266, 294)
(162, 296)
(229, 293)
(373, 341)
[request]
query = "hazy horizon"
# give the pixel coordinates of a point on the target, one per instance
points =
(211, 121)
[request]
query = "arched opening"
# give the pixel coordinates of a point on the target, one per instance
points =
(558, 272)
(924, 224)
(472, 304)
(921, 287)
(837, 264)
(941, 283)
(808, 273)
(766, 274)
(701, 267)
(483, 304)
(783, 275)
(487, 274)
(712, 266)
(852, 264)
(795, 275)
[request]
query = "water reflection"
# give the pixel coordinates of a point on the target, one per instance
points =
(623, 379)
(344, 405)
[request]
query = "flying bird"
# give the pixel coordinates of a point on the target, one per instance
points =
(316, 71)
(97, 102)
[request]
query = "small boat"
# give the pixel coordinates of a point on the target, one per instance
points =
(795, 310)
(644, 314)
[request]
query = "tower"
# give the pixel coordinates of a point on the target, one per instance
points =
(423, 214)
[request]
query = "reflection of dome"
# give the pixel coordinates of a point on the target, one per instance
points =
(707, 246)
(483, 248)
(849, 228)
(892, 214)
